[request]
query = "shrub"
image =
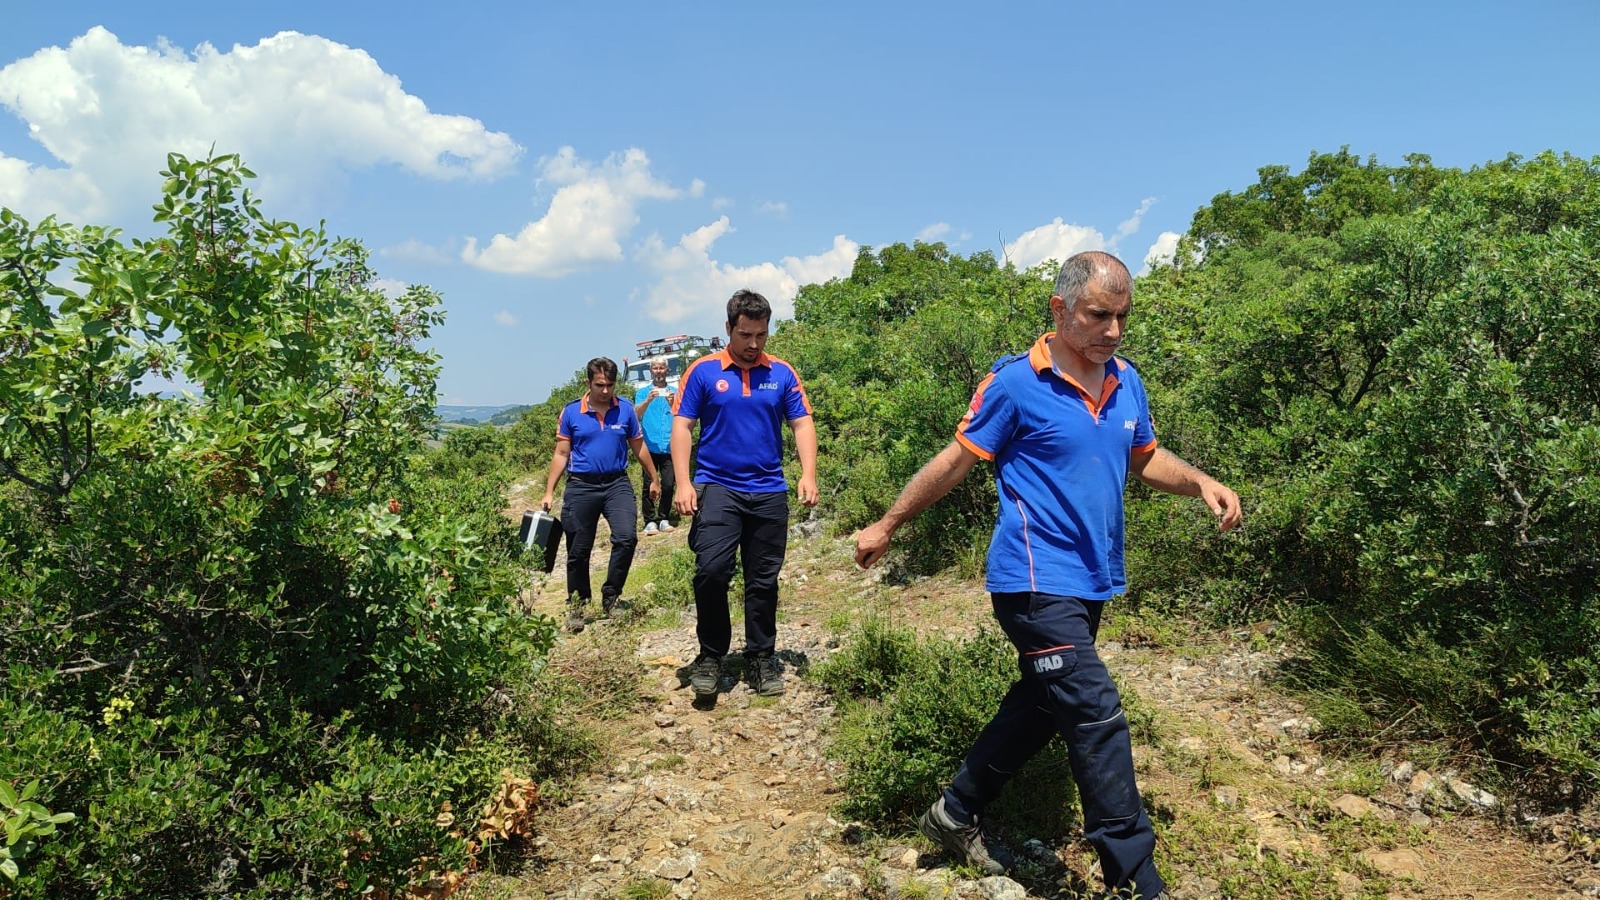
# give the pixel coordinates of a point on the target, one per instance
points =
(272, 636)
(910, 709)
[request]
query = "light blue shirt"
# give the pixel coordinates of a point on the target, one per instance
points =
(656, 421)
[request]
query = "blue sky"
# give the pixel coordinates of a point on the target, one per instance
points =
(577, 177)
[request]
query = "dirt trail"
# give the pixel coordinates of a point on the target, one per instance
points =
(735, 799)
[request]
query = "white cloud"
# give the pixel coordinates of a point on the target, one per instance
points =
(1162, 251)
(1131, 224)
(390, 287)
(690, 283)
(774, 208)
(1056, 240)
(933, 232)
(722, 203)
(418, 252)
(300, 109)
(593, 208)
(505, 318)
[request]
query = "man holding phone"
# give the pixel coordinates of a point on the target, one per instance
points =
(654, 405)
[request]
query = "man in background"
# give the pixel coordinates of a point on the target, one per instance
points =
(653, 402)
(593, 437)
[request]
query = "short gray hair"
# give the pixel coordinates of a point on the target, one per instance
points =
(1080, 269)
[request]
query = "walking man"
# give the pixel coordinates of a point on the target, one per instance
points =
(654, 405)
(1063, 425)
(593, 437)
(739, 497)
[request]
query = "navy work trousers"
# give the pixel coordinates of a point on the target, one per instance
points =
(662, 509)
(587, 498)
(1064, 689)
(757, 526)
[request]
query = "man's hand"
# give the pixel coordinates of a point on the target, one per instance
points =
(655, 491)
(685, 500)
(548, 501)
(872, 542)
(808, 491)
(1224, 504)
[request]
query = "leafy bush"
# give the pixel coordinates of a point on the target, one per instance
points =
(259, 642)
(891, 357)
(911, 708)
(1397, 366)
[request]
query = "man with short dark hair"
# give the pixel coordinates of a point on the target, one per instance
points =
(739, 497)
(1064, 425)
(593, 437)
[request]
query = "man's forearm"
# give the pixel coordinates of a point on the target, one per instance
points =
(681, 438)
(805, 445)
(1166, 471)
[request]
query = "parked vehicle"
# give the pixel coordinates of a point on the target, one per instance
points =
(679, 350)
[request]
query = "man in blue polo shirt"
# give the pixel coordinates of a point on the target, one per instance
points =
(593, 437)
(739, 497)
(1063, 424)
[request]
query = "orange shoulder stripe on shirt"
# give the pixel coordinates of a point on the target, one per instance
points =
(677, 399)
(805, 398)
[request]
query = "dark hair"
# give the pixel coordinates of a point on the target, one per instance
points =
(600, 366)
(1080, 269)
(749, 304)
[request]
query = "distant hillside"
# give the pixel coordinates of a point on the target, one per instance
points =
(465, 413)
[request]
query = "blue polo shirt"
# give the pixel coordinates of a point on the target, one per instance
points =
(1061, 464)
(656, 421)
(741, 413)
(598, 448)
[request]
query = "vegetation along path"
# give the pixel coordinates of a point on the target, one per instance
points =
(739, 799)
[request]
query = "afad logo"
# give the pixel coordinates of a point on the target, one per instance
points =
(1047, 663)
(722, 385)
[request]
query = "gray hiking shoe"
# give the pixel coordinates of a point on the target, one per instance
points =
(965, 843)
(764, 675)
(575, 620)
(704, 674)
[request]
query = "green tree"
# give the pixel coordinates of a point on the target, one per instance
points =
(249, 636)
(891, 356)
(1398, 365)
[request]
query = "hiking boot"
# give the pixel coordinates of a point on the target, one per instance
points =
(575, 620)
(764, 675)
(965, 842)
(704, 674)
(608, 605)
(649, 528)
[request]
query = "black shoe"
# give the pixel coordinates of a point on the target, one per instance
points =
(704, 674)
(575, 620)
(764, 675)
(965, 843)
(608, 605)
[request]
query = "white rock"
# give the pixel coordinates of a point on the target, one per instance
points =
(999, 887)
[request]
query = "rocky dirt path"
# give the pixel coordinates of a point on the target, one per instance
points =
(735, 799)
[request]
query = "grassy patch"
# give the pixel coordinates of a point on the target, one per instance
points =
(645, 888)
